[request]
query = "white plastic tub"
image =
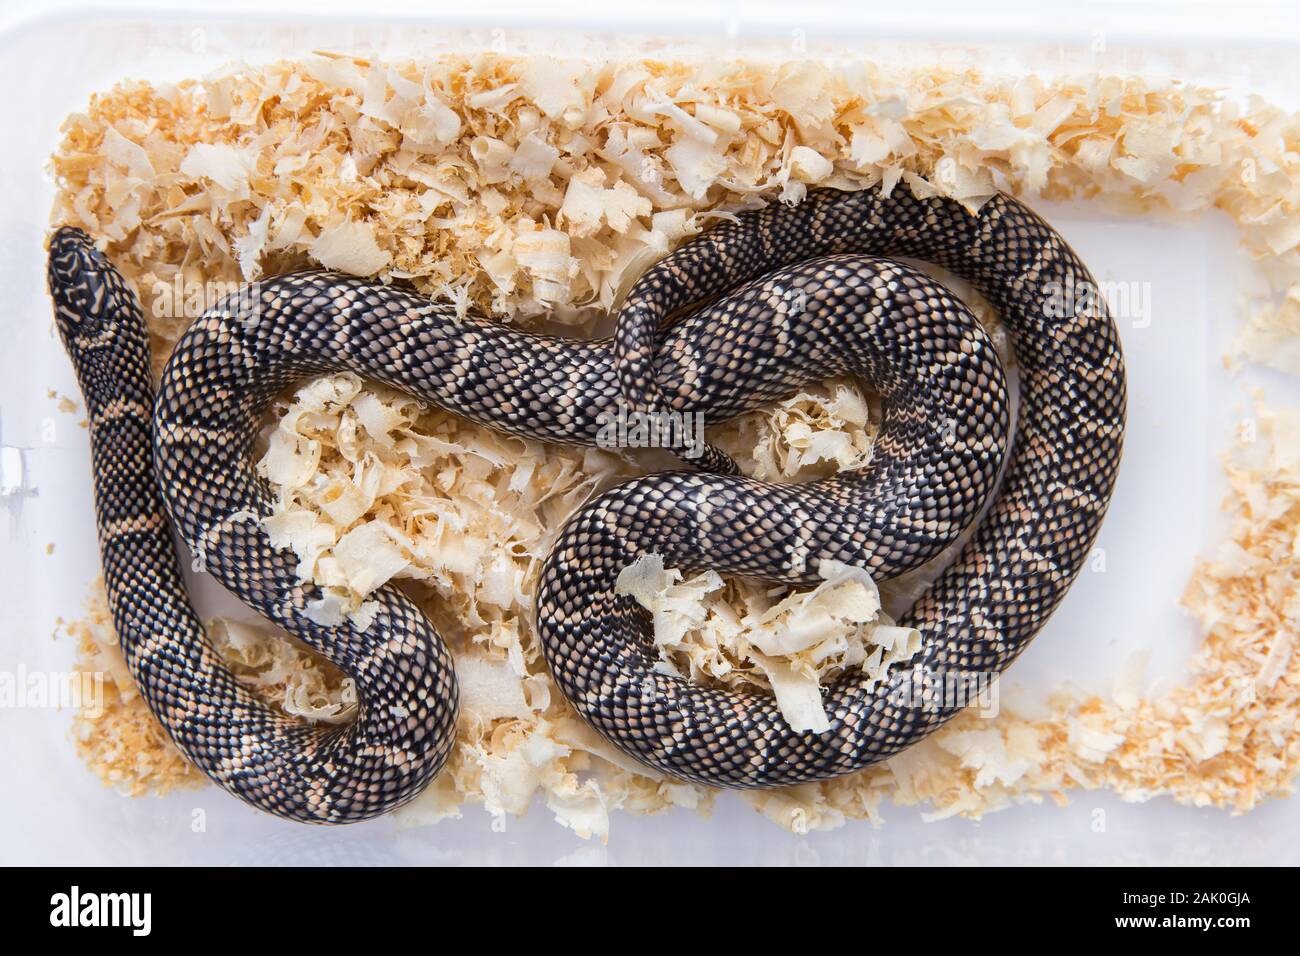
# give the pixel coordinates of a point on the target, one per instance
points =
(1183, 410)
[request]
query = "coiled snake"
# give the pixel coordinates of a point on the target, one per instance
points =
(774, 299)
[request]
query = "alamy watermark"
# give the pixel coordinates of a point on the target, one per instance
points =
(77, 908)
(183, 299)
(1128, 301)
(931, 690)
(627, 428)
(80, 690)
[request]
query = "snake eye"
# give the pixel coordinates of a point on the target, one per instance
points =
(79, 279)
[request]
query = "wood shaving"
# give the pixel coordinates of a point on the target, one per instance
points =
(793, 647)
(536, 187)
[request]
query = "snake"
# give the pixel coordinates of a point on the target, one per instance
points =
(744, 314)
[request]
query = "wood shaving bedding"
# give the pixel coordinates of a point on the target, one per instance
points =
(536, 187)
(742, 636)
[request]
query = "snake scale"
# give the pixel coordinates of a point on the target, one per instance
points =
(737, 318)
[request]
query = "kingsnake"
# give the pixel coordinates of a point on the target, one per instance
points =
(733, 320)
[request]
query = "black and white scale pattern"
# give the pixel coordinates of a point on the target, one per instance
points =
(975, 618)
(790, 296)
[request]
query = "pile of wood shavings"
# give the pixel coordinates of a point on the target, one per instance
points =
(536, 186)
(794, 647)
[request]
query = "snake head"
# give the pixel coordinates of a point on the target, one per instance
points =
(88, 292)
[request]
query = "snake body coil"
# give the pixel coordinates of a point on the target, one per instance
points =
(793, 297)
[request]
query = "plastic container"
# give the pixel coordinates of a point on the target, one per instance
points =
(1183, 410)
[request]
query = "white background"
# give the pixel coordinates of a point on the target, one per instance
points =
(1183, 410)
